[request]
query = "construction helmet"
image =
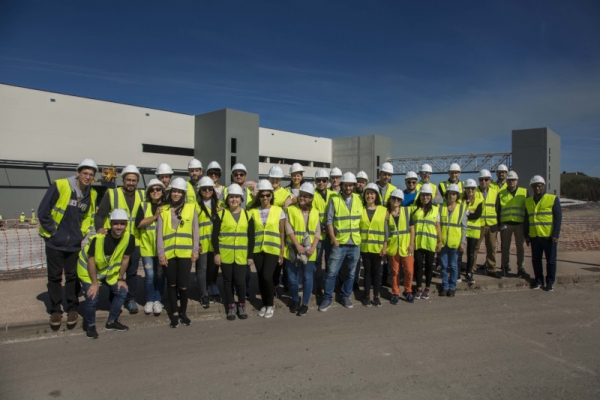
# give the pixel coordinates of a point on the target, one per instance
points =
(512, 176)
(87, 163)
(426, 189)
(426, 168)
(130, 169)
(296, 167)
(307, 188)
(235, 189)
(321, 173)
(537, 179)
(411, 175)
(179, 183)
(453, 187)
(213, 165)
(206, 182)
(118, 214)
(264, 184)
(454, 167)
(484, 173)
(373, 187)
(397, 193)
(470, 183)
(502, 167)
(275, 172)
(154, 182)
(194, 163)
(362, 175)
(387, 167)
(239, 167)
(335, 172)
(164, 169)
(348, 177)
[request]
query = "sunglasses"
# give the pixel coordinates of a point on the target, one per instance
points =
(484, 179)
(265, 196)
(207, 189)
(395, 199)
(239, 174)
(469, 188)
(155, 189)
(411, 182)
(321, 180)
(212, 172)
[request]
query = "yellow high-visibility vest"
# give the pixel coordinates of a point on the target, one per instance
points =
(117, 200)
(321, 205)
(433, 189)
(444, 188)
(399, 239)
(474, 226)
(266, 237)
(488, 214)
(372, 233)
(190, 195)
(105, 269)
(233, 238)
(346, 224)
(541, 221)
(280, 196)
(425, 228)
(148, 233)
(178, 242)
(513, 207)
(452, 226)
(296, 220)
(205, 224)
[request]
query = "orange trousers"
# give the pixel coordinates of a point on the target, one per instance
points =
(408, 263)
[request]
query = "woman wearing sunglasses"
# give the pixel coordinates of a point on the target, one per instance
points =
(454, 228)
(296, 180)
(177, 244)
(474, 201)
(269, 228)
(145, 220)
(213, 171)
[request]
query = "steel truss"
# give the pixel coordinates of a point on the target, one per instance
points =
(469, 163)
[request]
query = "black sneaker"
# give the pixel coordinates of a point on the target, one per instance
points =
(91, 332)
(205, 302)
(184, 319)
(376, 302)
(115, 326)
(294, 306)
(549, 288)
(395, 300)
(521, 273)
(410, 298)
(508, 269)
(469, 278)
(494, 274)
(443, 292)
(536, 285)
(451, 293)
(174, 321)
(302, 310)
(366, 302)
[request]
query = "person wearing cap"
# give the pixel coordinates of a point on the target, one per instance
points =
(400, 246)
(542, 223)
(282, 197)
(66, 215)
(453, 224)
(501, 174)
(410, 193)
(163, 173)
(453, 178)
(335, 179)
(233, 244)
(428, 238)
(361, 182)
(238, 176)
(512, 213)
(296, 180)
(269, 236)
(373, 242)
(321, 198)
(129, 198)
(425, 174)
(206, 269)
(177, 244)
(213, 171)
(489, 222)
(145, 220)
(195, 173)
(105, 259)
(474, 203)
(343, 227)
(303, 231)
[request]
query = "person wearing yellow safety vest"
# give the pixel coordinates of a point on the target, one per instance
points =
(195, 173)
(542, 223)
(501, 174)
(177, 241)
(66, 215)
(282, 197)
(385, 188)
(474, 202)
(425, 174)
(164, 173)
(206, 269)
(145, 220)
(233, 243)
(214, 171)
(105, 258)
(343, 227)
(489, 222)
(321, 198)
(129, 198)
(22, 217)
(428, 238)
(512, 212)
(33, 220)
(238, 176)
(373, 242)
(410, 193)
(269, 234)
(401, 246)
(453, 178)
(335, 178)
(453, 224)
(296, 180)
(303, 230)
(361, 182)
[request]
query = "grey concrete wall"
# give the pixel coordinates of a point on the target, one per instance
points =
(359, 153)
(244, 127)
(209, 140)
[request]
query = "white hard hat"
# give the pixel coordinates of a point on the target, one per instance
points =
(87, 162)
(537, 179)
(296, 167)
(264, 184)
(362, 175)
(194, 163)
(118, 214)
(484, 173)
(398, 194)
(206, 181)
(502, 167)
(275, 172)
(154, 182)
(426, 188)
(235, 189)
(470, 183)
(426, 168)
(348, 177)
(373, 187)
(239, 167)
(321, 173)
(335, 172)
(164, 169)
(130, 169)
(453, 187)
(454, 167)
(512, 175)
(411, 175)
(213, 165)
(387, 167)
(179, 183)
(307, 188)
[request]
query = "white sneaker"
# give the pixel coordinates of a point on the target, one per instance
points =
(149, 307)
(270, 312)
(158, 307)
(262, 312)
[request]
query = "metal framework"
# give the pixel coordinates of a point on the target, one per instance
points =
(469, 163)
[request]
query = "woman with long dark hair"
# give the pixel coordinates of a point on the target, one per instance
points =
(474, 201)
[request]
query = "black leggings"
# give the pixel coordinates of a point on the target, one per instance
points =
(428, 257)
(265, 264)
(212, 269)
(178, 277)
(234, 274)
(373, 267)
(471, 257)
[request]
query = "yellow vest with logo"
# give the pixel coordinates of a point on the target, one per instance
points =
(425, 228)
(372, 233)
(117, 200)
(281, 195)
(233, 238)
(452, 226)
(266, 237)
(296, 220)
(148, 234)
(513, 207)
(321, 205)
(540, 216)
(474, 226)
(488, 212)
(399, 239)
(178, 242)
(346, 224)
(105, 269)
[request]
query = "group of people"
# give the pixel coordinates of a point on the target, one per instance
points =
(312, 235)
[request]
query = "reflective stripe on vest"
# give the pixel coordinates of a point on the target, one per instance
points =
(296, 220)
(148, 233)
(372, 233)
(474, 226)
(179, 242)
(205, 225)
(233, 238)
(540, 216)
(117, 200)
(346, 223)
(425, 228)
(105, 269)
(452, 227)
(266, 237)
(488, 214)
(321, 205)
(399, 239)
(513, 207)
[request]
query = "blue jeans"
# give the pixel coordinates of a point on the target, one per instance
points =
(544, 247)
(293, 270)
(339, 254)
(323, 247)
(449, 271)
(115, 305)
(154, 279)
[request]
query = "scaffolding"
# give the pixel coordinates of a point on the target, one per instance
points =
(469, 163)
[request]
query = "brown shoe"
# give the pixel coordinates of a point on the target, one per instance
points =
(55, 319)
(72, 318)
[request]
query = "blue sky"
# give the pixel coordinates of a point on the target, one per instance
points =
(439, 77)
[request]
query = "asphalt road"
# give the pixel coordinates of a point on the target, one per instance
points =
(521, 344)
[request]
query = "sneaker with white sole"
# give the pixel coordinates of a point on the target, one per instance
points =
(262, 312)
(325, 304)
(149, 307)
(270, 312)
(157, 307)
(346, 302)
